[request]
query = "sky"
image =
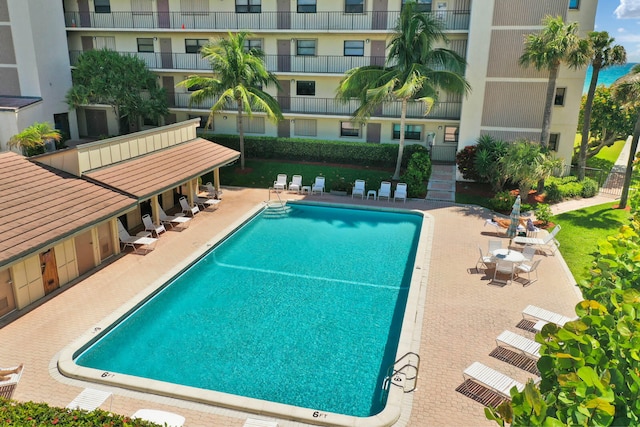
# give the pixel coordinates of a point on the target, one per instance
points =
(621, 19)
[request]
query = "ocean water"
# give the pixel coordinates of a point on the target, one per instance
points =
(607, 76)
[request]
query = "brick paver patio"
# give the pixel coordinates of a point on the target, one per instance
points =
(463, 315)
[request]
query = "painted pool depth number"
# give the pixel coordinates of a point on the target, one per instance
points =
(318, 414)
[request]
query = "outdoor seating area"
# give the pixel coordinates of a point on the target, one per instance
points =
(506, 265)
(8, 386)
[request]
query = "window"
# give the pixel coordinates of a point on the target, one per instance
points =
(353, 6)
(305, 88)
(349, 129)
(422, 5)
(559, 99)
(306, 6)
(353, 48)
(451, 133)
(194, 45)
(251, 124)
(574, 4)
(248, 6)
(554, 138)
(102, 6)
(145, 45)
(413, 132)
(252, 44)
(306, 47)
(305, 127)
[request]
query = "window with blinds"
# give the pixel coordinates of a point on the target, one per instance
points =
(305, 127)
(251, 124)
(102, 42)
(194, 6)
(141, 6)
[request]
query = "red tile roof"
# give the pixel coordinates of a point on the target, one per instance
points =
(154, 173)
(41, 205)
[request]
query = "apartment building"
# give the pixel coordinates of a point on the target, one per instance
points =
(309, 44)
(34, 68)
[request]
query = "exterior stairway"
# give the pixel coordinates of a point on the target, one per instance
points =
(442, 184)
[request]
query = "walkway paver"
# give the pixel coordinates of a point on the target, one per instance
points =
(463, 314)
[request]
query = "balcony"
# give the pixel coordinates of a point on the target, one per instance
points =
(321, 21)
(275, 63)
(330, 106)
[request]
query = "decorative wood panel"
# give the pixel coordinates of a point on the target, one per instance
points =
(527, 12)
(514, 104)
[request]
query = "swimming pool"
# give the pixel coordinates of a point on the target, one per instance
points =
(302, 310)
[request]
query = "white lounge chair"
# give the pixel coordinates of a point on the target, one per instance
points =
(252, 422)
(212, 193)
(206, 202)
(485, 260)
(174, 221)
(543, 316)
(525, 267)
(529, 252)
(385, 190)
(89, 399)
(401, 192)
(524, 345)
(8, 386)
(150, 226)
(318, 185)
(503, 268)
(280, 184)
(163, 418)
(186, 209)
(492, 379)
(358, 188)
(549, 241)
(143, 241)
(296, 183)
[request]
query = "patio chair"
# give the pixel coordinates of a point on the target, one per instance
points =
(493, 245)
(526, 346)
(543, 316)
(163, 418)
(318, 185)
(280, 183)
(8, 386)
(548, 242)
(528, 268)
(503, 268)
(485, 260)
(491, 379)
(529, 252)
(142, 242)
(358, 188)
(186, 209)
(212, 193)
(89, 399)
(150, 226)
(401, 192)
(205, 202)
(174, 221)
(385, 190)
(296, 183)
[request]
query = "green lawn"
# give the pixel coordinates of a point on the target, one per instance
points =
(262, 173)
(607, 157)
(581, 231)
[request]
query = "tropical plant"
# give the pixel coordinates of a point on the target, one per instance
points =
(604, 54)
(543, 213)
(556, 44)
(525, 163)
(121, 81)
(240, 75)
(34, 137)
(608, 123)
(465, 159)
(414, 70)
(487, 161)
(626, 90)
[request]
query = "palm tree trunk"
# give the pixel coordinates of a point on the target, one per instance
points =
(546, 117)
(629, 171)
(588, 105)
(403, 118)
(241, 134)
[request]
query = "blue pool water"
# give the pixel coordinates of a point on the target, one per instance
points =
(304, 310)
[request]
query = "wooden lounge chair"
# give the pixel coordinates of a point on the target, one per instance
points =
(7, 387)
(524, 345)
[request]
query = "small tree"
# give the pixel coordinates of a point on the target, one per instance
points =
(33, 138)
(121, 81)
(525, 163)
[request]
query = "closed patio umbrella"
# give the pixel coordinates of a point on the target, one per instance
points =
(515, 218)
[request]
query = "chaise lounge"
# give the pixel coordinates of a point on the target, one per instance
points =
(7, 387)
(549, 241)
(142, 242)
(542, 316)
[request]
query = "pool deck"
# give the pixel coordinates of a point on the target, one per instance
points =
(463, 315)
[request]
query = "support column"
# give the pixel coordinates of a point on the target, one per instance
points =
(216, 179)
(115, 236)
(155, 211)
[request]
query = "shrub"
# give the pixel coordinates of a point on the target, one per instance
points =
(552, 192)
(589, 188)
(465, 160)
(415, 183)
(543, 213)
(421, 162)
(502, 201)
(341, 185)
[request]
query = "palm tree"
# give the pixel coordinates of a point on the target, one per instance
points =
(604, 55)
(627, 91)
(239, 76)
(556, 44)
(414, 69)
(34, 136)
